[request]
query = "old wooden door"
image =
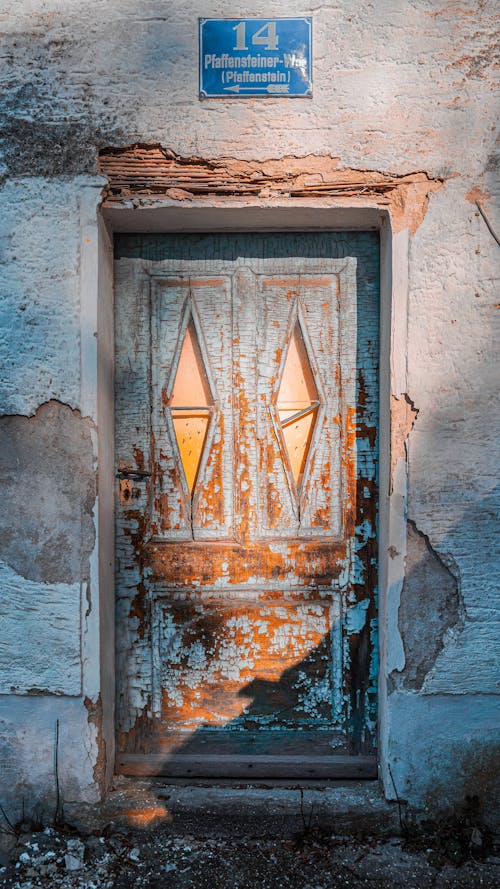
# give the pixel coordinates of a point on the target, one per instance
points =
(246, 463)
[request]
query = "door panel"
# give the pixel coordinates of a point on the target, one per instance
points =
(205, 303)
(312, 304)
(246, 409)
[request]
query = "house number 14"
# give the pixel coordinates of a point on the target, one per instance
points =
(265, 36)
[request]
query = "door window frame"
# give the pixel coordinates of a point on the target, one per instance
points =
(251, 215)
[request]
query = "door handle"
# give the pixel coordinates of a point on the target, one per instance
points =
(135, 475)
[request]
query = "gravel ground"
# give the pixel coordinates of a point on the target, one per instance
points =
(156, 858)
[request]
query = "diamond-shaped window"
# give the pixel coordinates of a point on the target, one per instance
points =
(191, 405)
(297, 404)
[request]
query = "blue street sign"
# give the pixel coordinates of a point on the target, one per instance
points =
(255, 57)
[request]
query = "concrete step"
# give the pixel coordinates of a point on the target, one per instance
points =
(354, 808)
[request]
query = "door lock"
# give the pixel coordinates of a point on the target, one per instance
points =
(128, 479)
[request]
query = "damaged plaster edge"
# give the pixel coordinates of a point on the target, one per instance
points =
(396, 569)
(91, 629)
(404, 415)
(252, 163)
(145, 169)
(29, 415)
(448, 564)
(446, 559)
(94, 708)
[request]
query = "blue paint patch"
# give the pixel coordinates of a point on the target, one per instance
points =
(356, 617)
(255, 57)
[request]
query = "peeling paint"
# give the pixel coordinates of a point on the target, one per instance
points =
(245, 625)
(356, 616)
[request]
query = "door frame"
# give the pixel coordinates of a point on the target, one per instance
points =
(253, 215)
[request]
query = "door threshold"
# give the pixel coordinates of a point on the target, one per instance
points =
(249, 768)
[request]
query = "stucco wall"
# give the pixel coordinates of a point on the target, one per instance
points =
(399, 87)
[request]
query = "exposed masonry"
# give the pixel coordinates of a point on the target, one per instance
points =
(144, 171)
(431, 589)
(49, 487)
(94, 710)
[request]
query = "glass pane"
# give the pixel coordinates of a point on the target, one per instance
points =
(190, 394)
(297, 389)
(297, 435)
(191, 385)
(297, 404)
(190, 432)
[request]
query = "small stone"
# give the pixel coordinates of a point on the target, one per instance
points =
(76, 847)
(476, 837)
(72, 862)
(24, 858)
(48, 856)
(134, 855)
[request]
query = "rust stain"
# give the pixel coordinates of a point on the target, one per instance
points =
(149, 170)
(128, 491)
(321, 516)
(244, 470)
(165, 512)
(138, 539)
(349, 469)
(212, 506)
(403, 416)
(273, 499)
(143, 729)
(318, 563)
(249, 647)
(139, 459)
(207, 282)
(291, 283)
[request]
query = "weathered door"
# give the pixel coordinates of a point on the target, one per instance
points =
(246, 462)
